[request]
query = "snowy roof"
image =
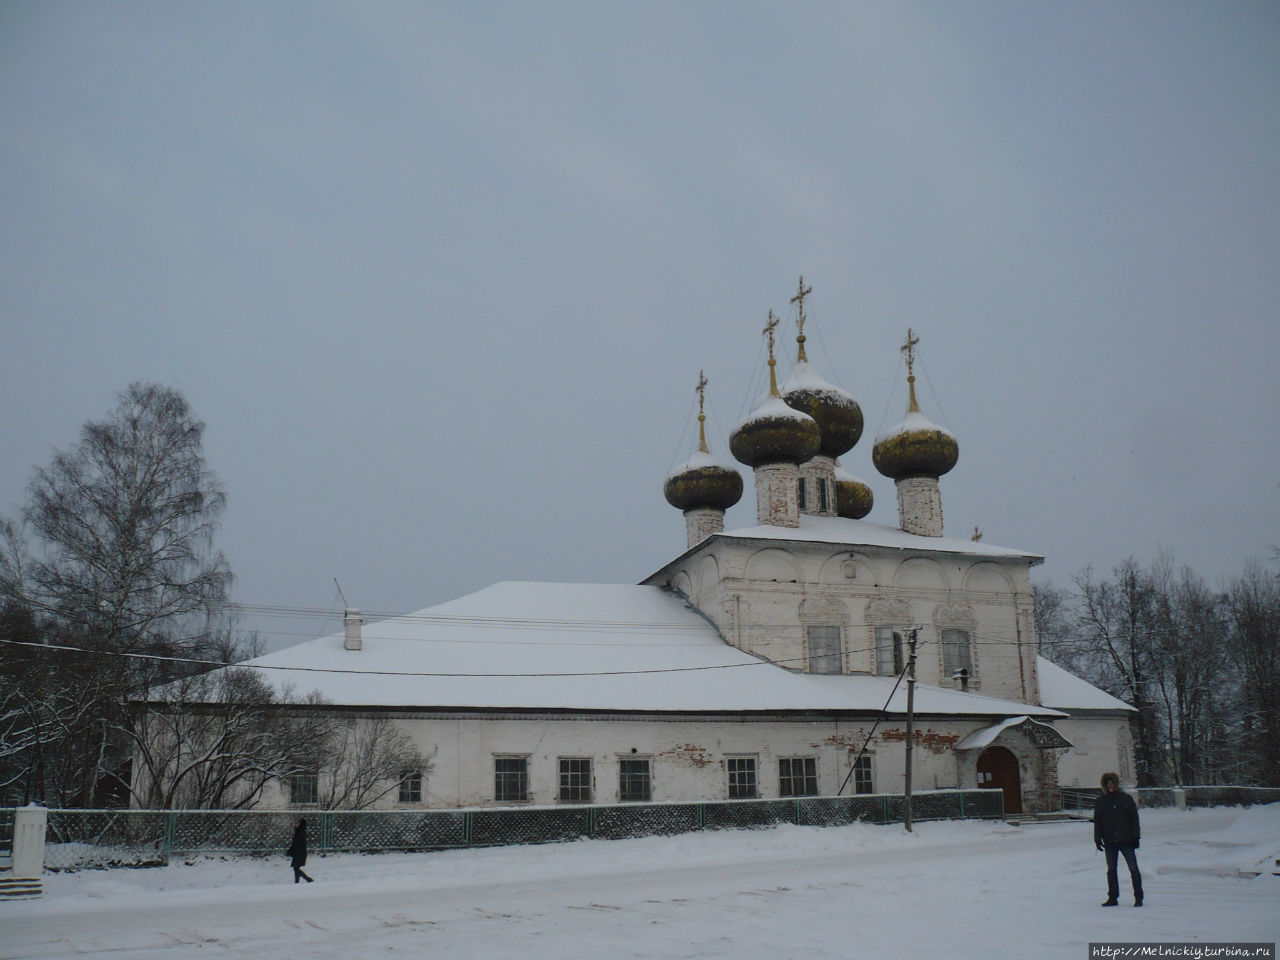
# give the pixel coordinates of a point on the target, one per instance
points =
(1042, 734)
(1064, 690)
(580, 646)
(856, 533)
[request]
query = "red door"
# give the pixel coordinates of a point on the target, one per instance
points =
(998, 767)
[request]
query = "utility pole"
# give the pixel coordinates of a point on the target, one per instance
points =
(911, 724)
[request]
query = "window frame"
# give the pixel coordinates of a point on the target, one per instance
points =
(635, 785)
(742, 783)
(829, 657)
(410, 786)
(949, 669)
(502, 784)
(896, 637)
(311, 778)
(864, 775)
(788, 776)
(575, 785)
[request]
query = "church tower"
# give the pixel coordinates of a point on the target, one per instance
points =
(702, 487)
(914, 454)
(774, 440)
(839, 420)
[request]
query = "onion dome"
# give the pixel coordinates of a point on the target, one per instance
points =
(854, 498)
(915, 447)
(838, 415)
(774, 432)
(703, 482)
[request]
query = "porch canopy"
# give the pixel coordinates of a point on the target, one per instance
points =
(1043, 735)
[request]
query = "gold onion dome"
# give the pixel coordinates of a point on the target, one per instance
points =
(702, 482)
(774, 432)
(838, 415)
(854, 498)
(915, 447)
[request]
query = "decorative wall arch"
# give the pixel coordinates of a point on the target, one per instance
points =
(920, 573)
(774, 565)
(682, 585)
(989, 577)
(823, 610)
(845, 567)
(706, 574)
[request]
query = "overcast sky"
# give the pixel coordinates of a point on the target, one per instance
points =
(440, 277)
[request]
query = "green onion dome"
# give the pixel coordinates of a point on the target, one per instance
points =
(838, 415)
(775, 433)
(915, 448)
(703, 483)
(854, 498)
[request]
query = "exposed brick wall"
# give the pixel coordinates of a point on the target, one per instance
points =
(920, 506)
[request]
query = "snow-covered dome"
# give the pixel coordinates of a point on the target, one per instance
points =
(854, 498)
(838, 415)
(703, 483)
(775, 433)
(915, 447)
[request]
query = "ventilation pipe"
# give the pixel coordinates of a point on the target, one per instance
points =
(351, 621)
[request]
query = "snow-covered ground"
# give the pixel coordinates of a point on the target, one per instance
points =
(947, 890)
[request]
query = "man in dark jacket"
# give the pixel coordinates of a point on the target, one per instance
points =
(1116, 832)
(298, 851)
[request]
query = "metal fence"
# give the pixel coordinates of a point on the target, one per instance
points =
(1206, 796)
(77, 839)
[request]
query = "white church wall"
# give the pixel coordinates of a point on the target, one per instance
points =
(1097, 749)
(758, 596)
(688, 757)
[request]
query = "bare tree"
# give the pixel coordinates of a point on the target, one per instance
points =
(114, 557)
(364, 759)
(1255, 641)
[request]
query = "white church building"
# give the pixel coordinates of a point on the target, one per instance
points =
(768, 661)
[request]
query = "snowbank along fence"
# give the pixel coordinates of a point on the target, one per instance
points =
(77, 839)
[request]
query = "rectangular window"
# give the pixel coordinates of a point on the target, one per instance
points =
(888, 651)
(634, 780)
(304, 788)
(742, 778)
(862, 775)
(804, 494)
(511, 779)
(798, 777)
(955, 654)
(824, 649)
(575, 780)
(822, 495)
(411, 786)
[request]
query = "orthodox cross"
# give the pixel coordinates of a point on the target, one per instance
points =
(768, 332)
(909, 348)
(702, 417)
(798, 299)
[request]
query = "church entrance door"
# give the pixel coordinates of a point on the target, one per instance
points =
(998, 767)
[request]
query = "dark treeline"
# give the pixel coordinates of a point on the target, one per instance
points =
(1200, 664)
(113, 604)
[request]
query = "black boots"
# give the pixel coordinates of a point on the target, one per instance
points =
(1111, 902)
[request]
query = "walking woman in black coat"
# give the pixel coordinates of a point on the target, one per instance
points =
(298, 851)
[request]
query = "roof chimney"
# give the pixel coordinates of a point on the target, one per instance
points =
(351, 621)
